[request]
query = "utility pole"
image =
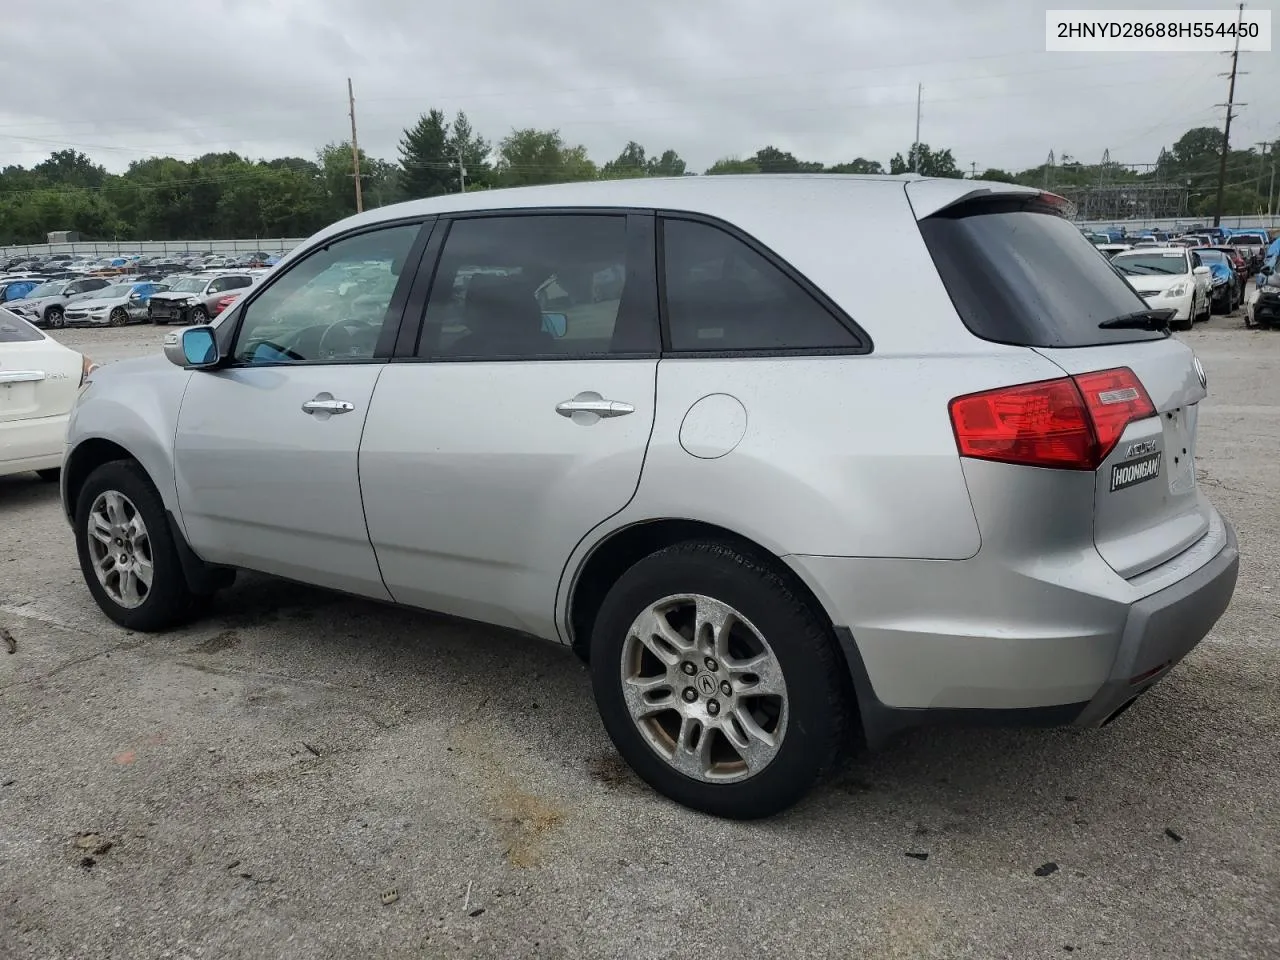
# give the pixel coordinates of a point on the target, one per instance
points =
(1262, 164)
(1226, 127)
(915, 147)
(355, 147)
(973, 170)
(1271, 190)
(462, 174)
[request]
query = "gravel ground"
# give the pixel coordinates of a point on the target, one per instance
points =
(258, 784)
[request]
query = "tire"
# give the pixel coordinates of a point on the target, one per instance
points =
(118, 318)
(167, 601)
(1186, 324)
(813, 717)
(55, 318)
(51, 475)
(199, 316)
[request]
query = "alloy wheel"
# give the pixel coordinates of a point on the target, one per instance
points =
(704, 688)
(120, 549)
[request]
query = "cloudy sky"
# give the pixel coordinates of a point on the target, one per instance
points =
(827, 79)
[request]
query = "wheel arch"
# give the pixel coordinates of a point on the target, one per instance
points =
(85, 458)
(620, 549)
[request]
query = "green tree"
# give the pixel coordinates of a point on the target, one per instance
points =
(426, 168)
(667, 165)
(998, 175)
(772, 160)
(463, 142)
(729, 165)
(70, 168)
(631, 162)
(857, 165)
(532, 156)
(926, 162)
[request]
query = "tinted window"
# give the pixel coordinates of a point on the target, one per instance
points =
(722, 295)
(329, 306)
(515, 287)
(13, 329)
(1020, 274)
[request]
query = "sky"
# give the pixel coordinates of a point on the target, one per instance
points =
(828, 80)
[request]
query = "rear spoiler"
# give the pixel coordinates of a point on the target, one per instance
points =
(932, 196)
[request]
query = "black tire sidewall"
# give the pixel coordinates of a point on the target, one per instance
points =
(169, 601)
(800, 640)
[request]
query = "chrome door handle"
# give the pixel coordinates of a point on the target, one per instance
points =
(327, 405)
(594, 404)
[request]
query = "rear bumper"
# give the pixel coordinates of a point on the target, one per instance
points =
(961, 642)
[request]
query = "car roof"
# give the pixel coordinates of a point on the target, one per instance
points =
(727, 197)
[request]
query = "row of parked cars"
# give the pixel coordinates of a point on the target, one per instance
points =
(1197, 273)
(192, 298)
(59, 263)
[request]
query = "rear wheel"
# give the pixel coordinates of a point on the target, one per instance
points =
(719, 684)
(127, 552)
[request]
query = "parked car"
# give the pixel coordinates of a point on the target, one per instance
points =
(18, 288)
(1252, 245)
(1264, 312)
(192, 299)
(115, 305)
(1169, 277)
(39, 379)
(815, 510)
(46, 304)
(1238, 262)
(1224, 286)
(1111, 249)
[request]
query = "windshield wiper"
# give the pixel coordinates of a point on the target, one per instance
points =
(1140, 320)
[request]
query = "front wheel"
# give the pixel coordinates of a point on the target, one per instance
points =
(118, 318)
(127, 552)
(719, 684)
(55, 318)
(199, 316)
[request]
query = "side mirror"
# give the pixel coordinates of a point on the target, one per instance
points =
(556, 324)
(1201, 271)
(192, 349)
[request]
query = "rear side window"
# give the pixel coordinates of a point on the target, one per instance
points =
(724, 296)
(13, 329)
(1021, 275)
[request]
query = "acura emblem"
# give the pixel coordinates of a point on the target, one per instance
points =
(1200, 374)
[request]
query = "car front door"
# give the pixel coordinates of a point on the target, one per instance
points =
(518, 418)
(266, 446)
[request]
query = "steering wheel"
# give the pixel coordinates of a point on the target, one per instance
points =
(278, 348)
(344, 342)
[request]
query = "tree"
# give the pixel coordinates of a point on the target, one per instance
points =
(1000, 176)
(857, 165)
(772, 160)
(926, 162)
(667, 165)
(730, 165)
(631, 162)
(427, 170)
(532, 156)
(70, 168)
(474, 150)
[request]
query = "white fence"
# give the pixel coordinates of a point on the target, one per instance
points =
(1184, 224)
(115, 248)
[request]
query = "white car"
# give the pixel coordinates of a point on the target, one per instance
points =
(1169, 278)
(39, 381)
(115, 305)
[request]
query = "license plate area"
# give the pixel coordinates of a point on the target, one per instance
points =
(1179, 448)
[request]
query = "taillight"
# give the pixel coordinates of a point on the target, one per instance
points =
(1072, 423)
(87, 367)
(223, 303)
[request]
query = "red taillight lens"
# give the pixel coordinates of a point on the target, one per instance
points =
(223, 303)
(1069, 424)
(1115, 398)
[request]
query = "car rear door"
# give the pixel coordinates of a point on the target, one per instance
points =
(518, 418)
(266, 445)
(1018, 275)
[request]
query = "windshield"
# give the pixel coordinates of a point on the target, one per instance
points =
(115, 290)
(48, 289)
(1151, 264)
(1212, 256)
(188, 285)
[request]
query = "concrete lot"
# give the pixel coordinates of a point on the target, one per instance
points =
(251, 786)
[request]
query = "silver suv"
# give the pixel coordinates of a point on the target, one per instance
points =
(769, 502)
(193, 299)
(46, 305)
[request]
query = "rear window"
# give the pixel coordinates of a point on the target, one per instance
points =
(1249, 239)
(1021, 274)
(13, 329)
